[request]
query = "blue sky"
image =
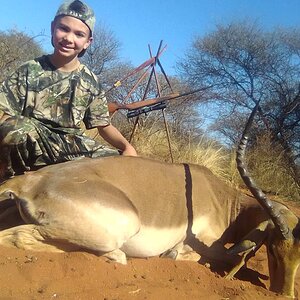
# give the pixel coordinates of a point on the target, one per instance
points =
(137, 23)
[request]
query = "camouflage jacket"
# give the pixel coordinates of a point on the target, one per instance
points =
(58, 99)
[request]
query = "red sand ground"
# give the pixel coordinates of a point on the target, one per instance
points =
(27, 275)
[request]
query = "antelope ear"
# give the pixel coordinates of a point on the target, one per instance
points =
(7, 195)
(252, 241)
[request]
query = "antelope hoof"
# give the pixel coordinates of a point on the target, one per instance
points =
(117, 256)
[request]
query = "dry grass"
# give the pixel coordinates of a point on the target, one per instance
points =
(269, 167)
(206, 152)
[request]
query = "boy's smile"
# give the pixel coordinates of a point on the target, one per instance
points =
(70, 36)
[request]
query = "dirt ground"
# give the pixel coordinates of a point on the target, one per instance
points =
(28, 275)
(78, 275)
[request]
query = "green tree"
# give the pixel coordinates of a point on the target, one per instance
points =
(16, 47)
(244, 65)
(103, 53)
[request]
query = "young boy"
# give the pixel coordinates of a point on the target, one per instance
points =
(46, 99)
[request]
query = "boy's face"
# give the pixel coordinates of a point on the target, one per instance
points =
(70, 36)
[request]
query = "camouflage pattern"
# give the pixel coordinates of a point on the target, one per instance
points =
(47, 108)
(79, 10)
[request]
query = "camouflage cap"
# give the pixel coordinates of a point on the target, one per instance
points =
(79, 10)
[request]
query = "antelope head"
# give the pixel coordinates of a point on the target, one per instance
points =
(283, 242)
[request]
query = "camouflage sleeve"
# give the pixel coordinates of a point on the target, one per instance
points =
(97, 114)
(13, 94)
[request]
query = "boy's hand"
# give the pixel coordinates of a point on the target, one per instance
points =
(13, 144)
(129, 151)
(113, 136)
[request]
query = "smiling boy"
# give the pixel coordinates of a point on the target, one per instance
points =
(46, 99)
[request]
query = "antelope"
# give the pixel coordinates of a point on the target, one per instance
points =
(123, 207)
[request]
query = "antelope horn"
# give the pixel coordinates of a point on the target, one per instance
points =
(268, 205)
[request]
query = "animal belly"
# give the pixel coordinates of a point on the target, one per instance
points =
(151, 241)
(207, 231)
(94, 227)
